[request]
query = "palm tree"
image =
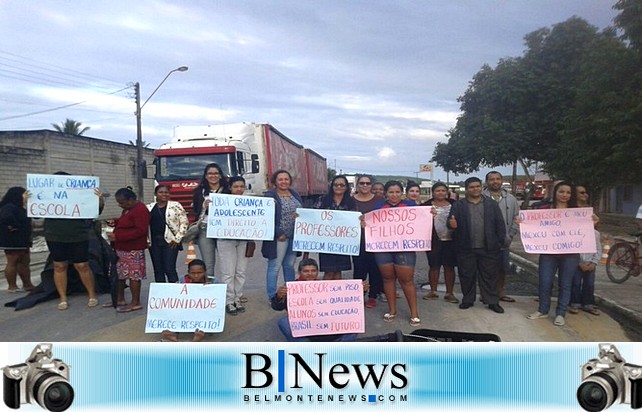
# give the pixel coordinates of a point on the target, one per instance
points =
(71, 127)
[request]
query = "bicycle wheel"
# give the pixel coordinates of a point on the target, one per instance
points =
(620, 263)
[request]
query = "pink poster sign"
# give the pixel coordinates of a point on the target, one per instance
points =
(398, 229)
(325, 307)
(557, 231)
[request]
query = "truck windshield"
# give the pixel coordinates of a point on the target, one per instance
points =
(188, 167)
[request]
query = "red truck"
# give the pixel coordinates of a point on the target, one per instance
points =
(252, 150)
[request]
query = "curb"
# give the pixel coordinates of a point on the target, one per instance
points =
(625, 313)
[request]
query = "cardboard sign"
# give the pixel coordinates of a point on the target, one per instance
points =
(327, 231)
(399, 229)
(185, 307)
(240, 217)
(62, 197)
(557, 231)
(325, 307)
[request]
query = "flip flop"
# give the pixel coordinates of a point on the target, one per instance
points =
(127, 309)
(111, 305)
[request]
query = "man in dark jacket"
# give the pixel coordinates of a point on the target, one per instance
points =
(479, 234)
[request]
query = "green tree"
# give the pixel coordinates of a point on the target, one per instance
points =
(513, 113)
(331, 174)
(71, 127)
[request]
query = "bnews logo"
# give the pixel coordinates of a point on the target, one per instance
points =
(294, 372)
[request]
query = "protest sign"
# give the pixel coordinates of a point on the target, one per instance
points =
(62, 196)
(325, 307)
(327, 231)
(185, 307)
(240, 217)
(557, 231)
(398, 229)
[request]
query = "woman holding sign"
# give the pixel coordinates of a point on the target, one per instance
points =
(364, 264)
(279, 251)
(338, 198)
(232, 253)
(213, 181)
(564, 264)
(397, 265)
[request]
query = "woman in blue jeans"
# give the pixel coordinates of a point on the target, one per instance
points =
(279, 251)
(565, 264)
(214, 180)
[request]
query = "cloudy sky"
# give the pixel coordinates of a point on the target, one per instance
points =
(371, 85)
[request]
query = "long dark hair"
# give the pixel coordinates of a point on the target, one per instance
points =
(203, 188)
(13, 196)
(347, 202)
(572, 202)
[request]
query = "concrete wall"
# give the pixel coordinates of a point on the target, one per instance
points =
(45, 151)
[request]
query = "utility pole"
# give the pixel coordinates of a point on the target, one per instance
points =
(139, 130)
(139, 145)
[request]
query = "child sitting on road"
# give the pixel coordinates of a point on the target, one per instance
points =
(196, 274)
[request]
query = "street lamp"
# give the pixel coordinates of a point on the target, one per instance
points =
(139, 131)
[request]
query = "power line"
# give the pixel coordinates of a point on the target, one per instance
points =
(47, 69)
(57, 108)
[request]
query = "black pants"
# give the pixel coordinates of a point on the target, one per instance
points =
(365, 265)
(478, 265)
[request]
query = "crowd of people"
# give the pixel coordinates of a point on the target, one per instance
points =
(471, 234)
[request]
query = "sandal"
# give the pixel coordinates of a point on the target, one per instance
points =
(63, 305)
(414, 322)
(451, 298)
(573, 310)
(92, 303)
(388, 317)
(431, 295)
(592, 311)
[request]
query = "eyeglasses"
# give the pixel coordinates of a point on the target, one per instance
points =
(365, 183)
(339, 185)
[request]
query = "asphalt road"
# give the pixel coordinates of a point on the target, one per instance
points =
(44, 323)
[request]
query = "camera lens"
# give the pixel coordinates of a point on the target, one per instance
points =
(597, 392)
(53, 392)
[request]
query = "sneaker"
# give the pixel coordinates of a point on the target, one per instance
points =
(371, 303)
(231, 309)
(559, 320)
(537, 315)
(239, 307)
(383, 298)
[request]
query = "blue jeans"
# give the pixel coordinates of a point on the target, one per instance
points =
(207, 247)
(583, 290)
(284, 327)
(164, 261)
(285, 258)
(566, 265)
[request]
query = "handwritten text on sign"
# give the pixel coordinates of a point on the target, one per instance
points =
(327, 231)
(62, 197)
(558, 231)
(325, 307)
(240, 217)
(398, 229)
(185, 307)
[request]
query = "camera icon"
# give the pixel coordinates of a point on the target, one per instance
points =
(41, 379)
(608, 380)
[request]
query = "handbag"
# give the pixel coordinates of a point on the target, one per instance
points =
(194, 229)
(249, 249)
